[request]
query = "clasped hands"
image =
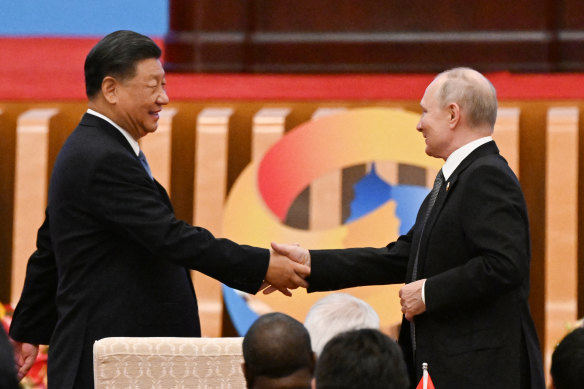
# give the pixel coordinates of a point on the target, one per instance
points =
(288, 268)
(290, 265)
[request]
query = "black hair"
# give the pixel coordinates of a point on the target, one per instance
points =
(116, 55)
(364, 358)
(276, 345)
(567, 367)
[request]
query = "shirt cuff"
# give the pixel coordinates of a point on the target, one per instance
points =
(424, 292)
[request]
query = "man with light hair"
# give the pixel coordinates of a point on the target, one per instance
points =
(336, 313)
(465, 262)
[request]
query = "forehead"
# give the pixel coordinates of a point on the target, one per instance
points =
(430, 95)
(149, 68)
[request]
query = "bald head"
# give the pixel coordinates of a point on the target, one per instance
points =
(277, 346)
(474, 94)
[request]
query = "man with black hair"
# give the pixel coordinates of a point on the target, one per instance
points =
(277, 354)
(363, 358)
(568, 361)
(112, 259)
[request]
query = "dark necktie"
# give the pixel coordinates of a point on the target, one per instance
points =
(144, 163)
(431, 200)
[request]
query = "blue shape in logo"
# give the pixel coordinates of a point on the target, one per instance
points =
(372, 192)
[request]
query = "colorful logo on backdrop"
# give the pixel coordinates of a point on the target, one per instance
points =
(262, 195)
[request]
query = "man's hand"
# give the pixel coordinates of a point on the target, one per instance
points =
(24, 355)
(411, 299)
(294, 252)
(284, 274)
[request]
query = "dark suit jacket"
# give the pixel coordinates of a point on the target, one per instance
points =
(112, 259)
(475, 253)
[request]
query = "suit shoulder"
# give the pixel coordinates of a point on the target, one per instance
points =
(87, 140)
(492, 163)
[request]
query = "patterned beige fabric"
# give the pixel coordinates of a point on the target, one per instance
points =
(168, 363)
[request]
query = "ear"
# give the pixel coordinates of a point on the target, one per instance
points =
(454, 114)
(109, 89)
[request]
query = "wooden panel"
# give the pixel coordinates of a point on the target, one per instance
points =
(7, 160)
(506, 135)
(570, 50)
(269, 125)
(329, 36)
(157, 148)
(210, 187)
(561, 224)
(30, 188)
(533, 118)
(205, 37)
(390, 15)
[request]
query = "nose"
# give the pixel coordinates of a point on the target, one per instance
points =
(419, 126)
(162, 98)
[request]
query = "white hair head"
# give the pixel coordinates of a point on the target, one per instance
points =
(336, 313)
(472, 91)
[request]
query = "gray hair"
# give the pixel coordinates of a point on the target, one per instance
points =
(473, 92)
(336, 313)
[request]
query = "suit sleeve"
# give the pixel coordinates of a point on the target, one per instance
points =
(35, 315)
(345, 268)
(496, 231)
(132, 206)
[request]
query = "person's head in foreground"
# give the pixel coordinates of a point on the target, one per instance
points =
(277, 353)
(336, 313)
(567, 367)
(357, 359)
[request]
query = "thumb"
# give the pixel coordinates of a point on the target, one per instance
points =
(282, 249)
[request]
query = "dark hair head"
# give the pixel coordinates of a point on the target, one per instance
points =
(567, 367)
(276, 345)
(116, 55)
(363, 358)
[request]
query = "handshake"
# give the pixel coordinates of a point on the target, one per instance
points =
(289, 266)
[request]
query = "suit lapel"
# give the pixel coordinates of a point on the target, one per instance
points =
(443, 195)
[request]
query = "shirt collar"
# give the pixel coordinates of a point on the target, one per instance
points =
(133, 142)
(460, 154)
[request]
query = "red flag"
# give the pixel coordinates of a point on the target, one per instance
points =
(428, 384)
